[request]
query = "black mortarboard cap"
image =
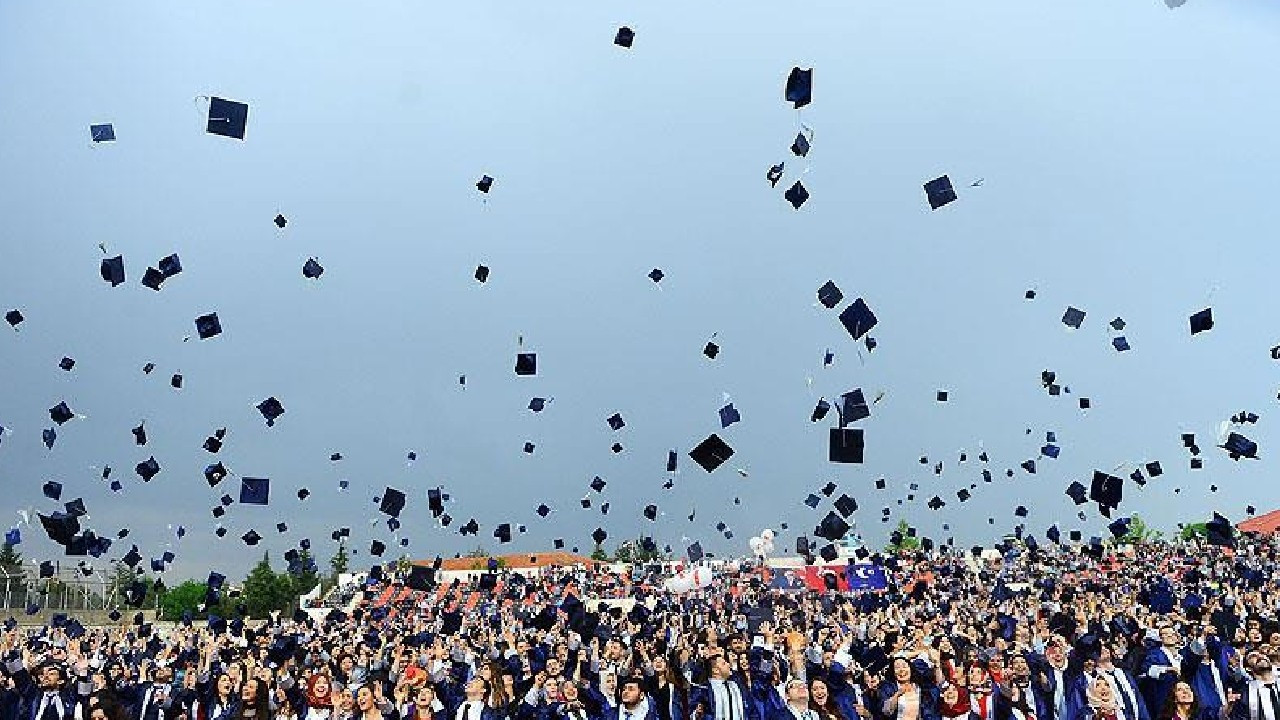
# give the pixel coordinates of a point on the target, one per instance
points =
(711, 350)
(212, 444)
(526, 364)
(624, 37)
(858, 318)
(46, 569)
(140, 434)
(940, 192)
(67, 363)
(671, 461)
(656, 275)
(799, 89)
(13, 317)
(774, 174)
(616, 422)
(846, 505)
(271, 409)
(147, 469)
(376, 548)
(255, 491)
(75, 508)
(538, 404)
(208, 326)
(280, 221)
(392, 502)
(695, 552)
(812, 501)
(484, 183)
(136, 593)
(227, 118)
(176, 381)
(1219, 531)
(801, 145)
(833, 527)
(598, 483)
(711, 453)
(1238, 446)
(1154, 469)
(1053, 534)
(1107, 490)
(1119, 527)
(599, 536)
(828, 489)
(1078, 493)
(1120, 344)
(482, 273)
(829, 295)
(853, 407)
(312, 269)
(1202, 321)
(52, 490)
(503, 533)
(112, 270)
(153, 279)
(103, 132)
(435, 502)
(797, 195)
(820, 410)
(651, 512)
(963, 494)
(829, 552)
(845, 445)
(215, 473)
(1072, 318)
(421, 577)
(251, 538)
(169, 266)
(60, 413)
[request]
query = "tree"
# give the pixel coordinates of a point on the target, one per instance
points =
(905, 541)
(636, 552)
(13, 580)
(1140, 533)
(477, 552)
(599, 555)
(1194, 531)
(306, 579)
(185, 598)
(338, 563)
(266, 592)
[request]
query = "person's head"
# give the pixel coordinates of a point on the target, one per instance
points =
(318, 689)
(223, 684)
(1254, 636)
(50, 677)
(1258, 664)
(569, 691)
(977, 676)
(870, 680)
(1169, 637)
(719, 667)
(163, 675)
(950, 694)
(364, 699)
(554, 667)
(1018, 666)
(608, 683)
(424, 696)
(346, 663)
(476, 688)
(818, 692)
(901, 670)
(1055, 654)
(1099, 693)
(738, 643)
(631, 692)
(1183, 693)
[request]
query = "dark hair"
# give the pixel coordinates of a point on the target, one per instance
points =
(1170, 704)
(829, 708)
(261, 706)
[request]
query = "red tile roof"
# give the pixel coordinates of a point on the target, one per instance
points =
(513, 562)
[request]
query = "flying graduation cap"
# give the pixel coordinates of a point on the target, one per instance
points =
(255, 491)
(227, 118)
(829, 295)
(797, 195)
(104, 132)
(208, 326)
(940, 192)
(625, 37)
(799, 89)
(271, 410)
(392, 502)
(312, 269)
(711, 453)
(1202, 321)
(112, 270)
(1238, 446)
(858, 319)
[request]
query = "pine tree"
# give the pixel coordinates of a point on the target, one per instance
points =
(338, 563)
(306, 580)
(266, 592)
(13, 580)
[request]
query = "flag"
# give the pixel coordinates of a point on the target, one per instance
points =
(865, 576)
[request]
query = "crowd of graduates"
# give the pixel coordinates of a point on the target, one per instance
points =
(1175, 631)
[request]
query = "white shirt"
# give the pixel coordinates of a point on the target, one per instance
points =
(802, 713)
(726, 693)
(477, 708)
(45, 699)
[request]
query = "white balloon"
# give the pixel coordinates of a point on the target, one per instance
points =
(755, 543)
(701, 577)
(767, 534)
(768, 548)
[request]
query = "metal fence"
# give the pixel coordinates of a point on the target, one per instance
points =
(69, 590)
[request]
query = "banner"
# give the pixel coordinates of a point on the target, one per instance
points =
(865, 576)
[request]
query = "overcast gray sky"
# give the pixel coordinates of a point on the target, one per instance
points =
(1128, 152)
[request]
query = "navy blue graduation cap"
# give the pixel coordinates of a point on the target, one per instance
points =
(833, 527)
(625, 37)
(543, 510)
(112, 270)
(940, 192)
(1120, 344)
(46, 569)
(1202, 321)
(799, 89)
(616, 422)
(14, 318)
(153, 279)
(829, 295)
(60, 413)
(1050, 451)
(503, 533)
(484, 184)
(377, 548)
(1106, 490)
(280, 221)
(176, 381)
(208, 326)
(140, 434)
(13, 537)
(169, 266)
(251, 538)
(435, 502)
(1238, 446)
(599, 536)
(421, 577)
(845, 445)
(526, 364)
(695, 552)
(271, 409)
(215, 473)
(227, 118)
(656, 275)
(75, 508)
(729, 415)
(853, 407)
(820, 410)
(671, 461)
(711, 453)
(797, 195)
(1154, 469)
(52, 490)
(132, 558)
(858, 318)
(157, 565)
(255, 491)
(147, 469)
(528, 447)
(1072, 319)
(392, 502)
(774, 174)
(846, 505)
(538, 404)
(651, 512)
(813, 501)
(212, 444)
(598, 483)
(1120, 527)
(1078, 493)
(1029, 466)
(801, 145)
(1053, 534)
(1219, 531)
(941, 396)
(482, 273)
(711, 350)
(312, 269)
(147, 368)
(103, 132)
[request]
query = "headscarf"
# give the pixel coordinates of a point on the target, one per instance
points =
(315, 700)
